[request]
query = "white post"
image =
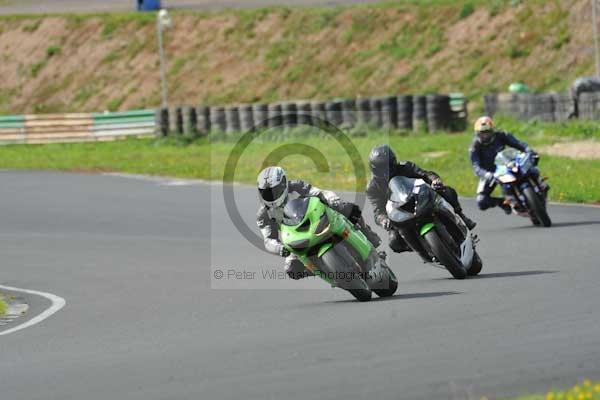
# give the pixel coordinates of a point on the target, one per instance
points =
(162, 21)
(595, 22)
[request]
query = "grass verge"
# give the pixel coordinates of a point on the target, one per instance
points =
(3, 306)
(571, 180)
(586, 390)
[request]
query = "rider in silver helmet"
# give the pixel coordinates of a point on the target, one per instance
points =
(274, 191)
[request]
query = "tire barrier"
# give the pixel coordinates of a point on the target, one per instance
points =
(548, 107)
(179, 121)
(260, 113)
(304, 113)
(589, 106)
(438, 112)
(363, 111)
(419, 116)
(404, 110)
(162, 121)
(389, 111)
(318, 110)
(232, 119)
(203, 120)
(246, 117)
(349, 118)
(190, 121)
(419, 112)
(275, 119)
(66, 128)
(217, 119)
(459, 114)
(564, 107)
(334, 112)
(289, 114)
(376, 105)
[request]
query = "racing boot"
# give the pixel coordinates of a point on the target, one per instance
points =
(397, 243)
(504, 204)
(368, 232)
(468, 221)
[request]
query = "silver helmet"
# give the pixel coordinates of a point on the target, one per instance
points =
(272, 186)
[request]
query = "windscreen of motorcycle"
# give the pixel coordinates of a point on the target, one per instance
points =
(401, 190)
(506, 157)
(295, 211)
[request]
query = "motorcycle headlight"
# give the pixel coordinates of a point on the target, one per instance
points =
(323, 226)
(507, 178)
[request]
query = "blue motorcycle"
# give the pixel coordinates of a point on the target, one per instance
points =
(518, 174)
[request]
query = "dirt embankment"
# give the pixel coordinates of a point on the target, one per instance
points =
(99, 62)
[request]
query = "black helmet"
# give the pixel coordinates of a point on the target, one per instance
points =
(382, 160)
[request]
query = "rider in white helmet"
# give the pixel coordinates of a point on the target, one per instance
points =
(274, 191)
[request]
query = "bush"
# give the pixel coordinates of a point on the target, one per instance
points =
(466, 10)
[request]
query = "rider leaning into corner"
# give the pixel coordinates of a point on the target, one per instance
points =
(274, 191)
(384, 166)
(487, 143)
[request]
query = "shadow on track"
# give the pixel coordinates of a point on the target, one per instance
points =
(578, 223)
(559, 225)
(501, 275)
(512, 274)
(401, 296)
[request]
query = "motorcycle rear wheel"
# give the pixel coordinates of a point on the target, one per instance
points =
(392, 286)
(476, 265)
(444, 255)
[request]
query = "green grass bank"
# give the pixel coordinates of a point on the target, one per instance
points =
(97, 62)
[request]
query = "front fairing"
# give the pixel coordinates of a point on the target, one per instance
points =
(302, 231)
(409, 198)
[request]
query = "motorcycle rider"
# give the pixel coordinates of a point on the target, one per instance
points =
(274, 191)
(384, 166)
(487, 143)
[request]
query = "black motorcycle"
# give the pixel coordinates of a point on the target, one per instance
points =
(430, 226)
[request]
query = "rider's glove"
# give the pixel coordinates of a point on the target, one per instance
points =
(283, 252)
(437, 184)
(335, 203)
(535, 156)
(385, 223)
(355, 214)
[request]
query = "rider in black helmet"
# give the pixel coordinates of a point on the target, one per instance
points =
(384, 166)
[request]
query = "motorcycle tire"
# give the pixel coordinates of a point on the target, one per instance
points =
(536, 206)
(391, 287)
(444, 255)
(339, 260)
(476, 265)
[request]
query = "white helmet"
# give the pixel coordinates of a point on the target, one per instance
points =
(272, 186)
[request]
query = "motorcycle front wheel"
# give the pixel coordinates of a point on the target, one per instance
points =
(537, 207)
(444, 255)
(340, 262)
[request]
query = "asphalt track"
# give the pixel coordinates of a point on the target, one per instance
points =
(133, 259)
(86, 6)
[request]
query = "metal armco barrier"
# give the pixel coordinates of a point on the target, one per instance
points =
(64, 128)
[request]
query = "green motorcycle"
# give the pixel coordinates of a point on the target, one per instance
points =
(330, 247)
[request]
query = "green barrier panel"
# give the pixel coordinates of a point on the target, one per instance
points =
(124, 114)
(12, 121)
(123, 120)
